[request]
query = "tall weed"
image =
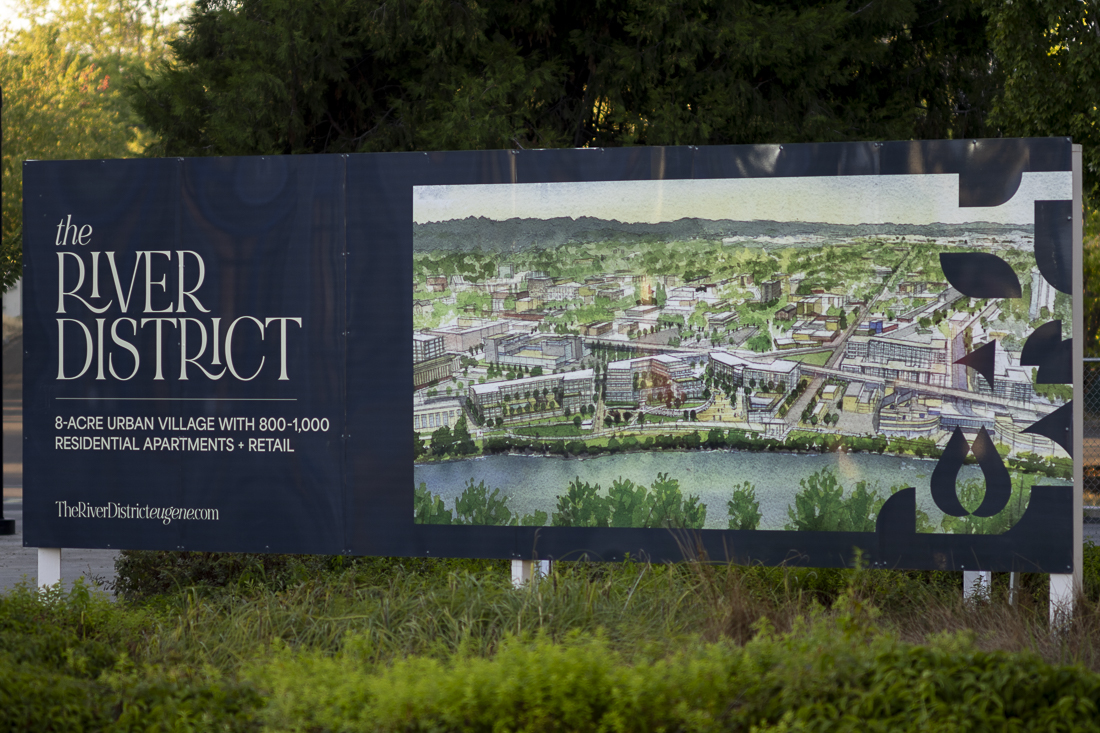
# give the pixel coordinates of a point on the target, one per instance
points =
(829, 672)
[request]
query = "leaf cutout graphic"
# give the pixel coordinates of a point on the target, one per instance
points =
(980, 275)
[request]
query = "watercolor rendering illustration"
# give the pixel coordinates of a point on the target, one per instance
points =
(780, 354)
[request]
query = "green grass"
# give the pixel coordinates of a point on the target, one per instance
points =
(553, 420)
(818, 358)
(561, 430)
(650, 418)
(201, 641)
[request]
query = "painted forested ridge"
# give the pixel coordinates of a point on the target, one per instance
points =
(261, 77)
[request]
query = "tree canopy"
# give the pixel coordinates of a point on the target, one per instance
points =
(1052, 50)
(62, 77)
(250, 77)
(283, 76)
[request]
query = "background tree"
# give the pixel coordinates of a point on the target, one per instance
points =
(62, 78)
(463, 443)
(284, 76)
(744, 507)
(1053, 52)
(313, 76)
(442, 441)
(1051, 49)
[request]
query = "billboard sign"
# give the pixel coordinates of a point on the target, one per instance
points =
(771, 353)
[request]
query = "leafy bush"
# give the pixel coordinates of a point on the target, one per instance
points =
(862, 506)
(158, 575)
(204, 660)
(475, 505)
(821, 506)
(825, 674)
(429, 508)
(669, 508)
(142, 574)
(744, 509)
(581, 506)
(63, 667)
(629, 505)
(1091, 572)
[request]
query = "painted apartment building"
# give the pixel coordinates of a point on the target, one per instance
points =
(463, 338)
(564, 291)
(652, 378)
(431, 362)
(496, 399)
(910, 356)
(548, 351)
(1042, 296)
(427, 346)
(904, 413)
(741, 372)
(861, 398)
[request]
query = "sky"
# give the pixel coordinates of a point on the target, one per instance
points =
(8, 10)
(7, 14)
(907, 199)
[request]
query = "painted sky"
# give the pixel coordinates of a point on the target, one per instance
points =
(907, 199)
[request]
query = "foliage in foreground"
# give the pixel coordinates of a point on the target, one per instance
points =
(238, 642)
(824, 674)
(62, 69)
(64, 667)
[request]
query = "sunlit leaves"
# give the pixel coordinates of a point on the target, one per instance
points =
(62, 76)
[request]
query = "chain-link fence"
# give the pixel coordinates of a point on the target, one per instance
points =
(1091, 440)
(1092, 426)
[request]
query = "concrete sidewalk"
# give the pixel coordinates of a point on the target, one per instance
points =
(18, 563)
(13, 418)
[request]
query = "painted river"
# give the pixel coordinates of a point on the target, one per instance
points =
(533, 482)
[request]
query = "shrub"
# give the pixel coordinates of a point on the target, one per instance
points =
(971, 493)
(629, 505)
(144, 574)
(744, 509)
(669, 508)
(821, 506)
(429, 508)
(156, 575)
(475, 505)
(62, 668)
(825, 674)
(581, 506)
(1091, 572)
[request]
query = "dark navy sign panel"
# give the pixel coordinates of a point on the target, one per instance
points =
(126, 446)
(328, 240)
(380, 204)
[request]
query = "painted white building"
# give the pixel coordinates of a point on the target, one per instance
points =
(1042, 295)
